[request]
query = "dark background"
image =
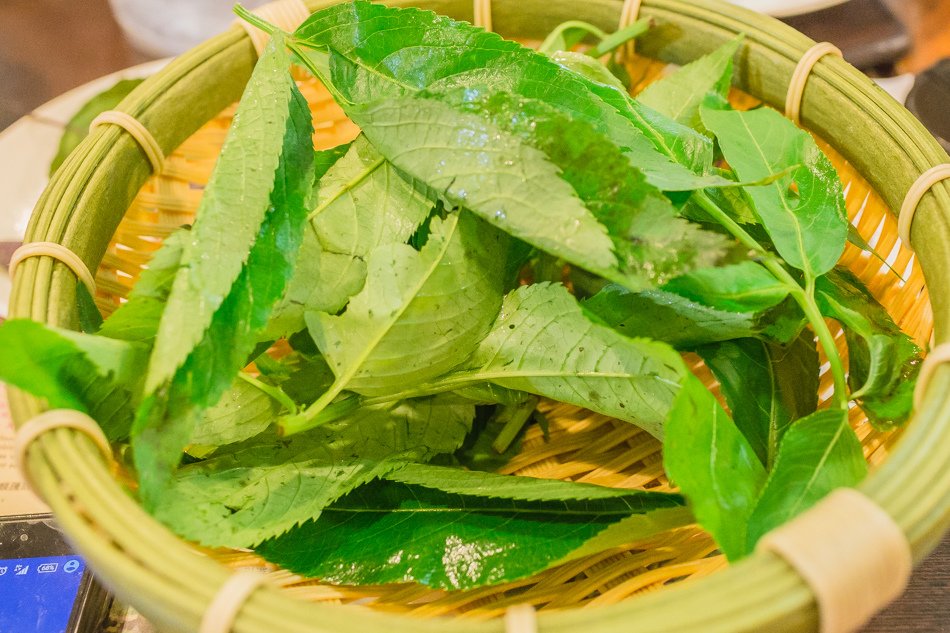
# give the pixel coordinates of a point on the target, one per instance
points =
(50, 46)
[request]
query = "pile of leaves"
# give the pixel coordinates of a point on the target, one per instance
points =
(510, 224)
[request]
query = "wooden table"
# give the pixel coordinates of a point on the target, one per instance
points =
(50, 46)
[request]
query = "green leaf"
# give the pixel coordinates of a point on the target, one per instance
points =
(742, 287)
(492, 173)
(265, 487)
(685, 324)
(90, 319)
(360, 202)
(680, 95)
(818, 454)
(708, 458)
(268, 128)
(543, 344)
(883, 361)
(78, 127)
(651, 242)
(420, 314)
(372, 54)
(766, 385)
(93, 374)
(807, 224)
(394, 532)
(227, 326)
(137, 319)
(587, 67)
(242, 412)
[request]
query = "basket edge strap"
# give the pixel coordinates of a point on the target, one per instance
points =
(227, 602)
(153, 151)
(796, 85)
(850, 552)
(937, 356)
(58, 252)
(56, 419)
(521, 618)
(915, 194)
(629, 13)
(481, 14)
(284, 14)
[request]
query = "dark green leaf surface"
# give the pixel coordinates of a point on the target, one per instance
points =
(743, 287)
(680, 95)
(180, 383)
(685, 324)
(715, 467)
(78, 127)
(884, 362)
(543, 344)
(268, 486)
(818, 454)
(807, 223)
(766, 385)
(374, 54)
(392, 532)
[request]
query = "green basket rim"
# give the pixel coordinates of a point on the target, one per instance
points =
(149, 567)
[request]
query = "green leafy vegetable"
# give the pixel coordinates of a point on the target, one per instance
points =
(399, 532)
(818, 454)
(884, 362)
(767, 386)
(706, 455)
(803, 211)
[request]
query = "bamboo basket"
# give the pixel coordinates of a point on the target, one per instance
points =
(105, 206)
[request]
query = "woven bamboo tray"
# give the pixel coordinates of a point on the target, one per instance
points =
(104, 205)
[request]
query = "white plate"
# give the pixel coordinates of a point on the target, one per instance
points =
(27, 148)
(785, 8)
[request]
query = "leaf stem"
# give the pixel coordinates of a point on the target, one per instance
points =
(314, 417)
(804, 297)
(274, 392)
(518, 415)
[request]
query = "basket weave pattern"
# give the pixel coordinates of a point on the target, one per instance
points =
(582, 446)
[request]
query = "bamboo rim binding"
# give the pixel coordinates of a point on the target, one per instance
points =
(852, 555)
(481, 14)
(628, 15)
(153, 151)
(56, 419)
(229, 600)
(915, 194)
(796, 85)
(58, 252)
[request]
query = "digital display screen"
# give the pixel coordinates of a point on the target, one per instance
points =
(38, 593)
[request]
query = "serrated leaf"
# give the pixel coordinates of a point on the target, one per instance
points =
(685, 324)
(360, 202)
(268, 127)
(680, 95)
(807, 223)
(715, 467)
(651, 242)
(227, 326)
(743, 287)
(137, 319)
(420, 314)
(375, 53)
(818, 454)
(883, 360)
(494, 174)
(97, 375)
(543, 344)
(766, 385)
(263, 488)
(242, 412)
(394, 532)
